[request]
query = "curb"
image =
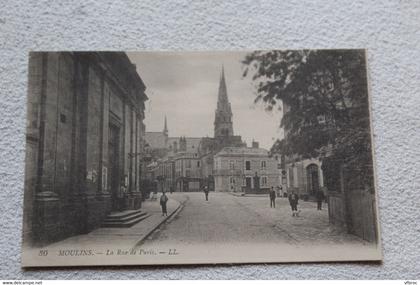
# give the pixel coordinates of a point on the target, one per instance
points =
(139, 241)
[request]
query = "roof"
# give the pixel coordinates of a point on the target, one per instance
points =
(192, 143)
(155, 139)
(239, 151)
(159, 140)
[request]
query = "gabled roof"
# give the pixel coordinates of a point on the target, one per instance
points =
(192, 143)
(155, 139)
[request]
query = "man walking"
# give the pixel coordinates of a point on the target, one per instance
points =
(163, 200)
(293, 200)
(206, 192)
(319, 198)
(272, 198)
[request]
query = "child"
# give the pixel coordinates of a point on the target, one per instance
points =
(293, 200)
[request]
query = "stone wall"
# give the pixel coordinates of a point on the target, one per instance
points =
(69, 94)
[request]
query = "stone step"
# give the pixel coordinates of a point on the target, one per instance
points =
(123, 214)
(125, 224)
(124, 219)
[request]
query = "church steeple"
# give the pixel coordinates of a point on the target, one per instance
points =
(222, 98)
(223, 117)
(165, 127)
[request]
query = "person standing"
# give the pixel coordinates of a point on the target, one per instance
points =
(163, 200)
(293, 200)
(279, 191)
(319, 198)
(121, 195)
(272, 198)
(206, 192)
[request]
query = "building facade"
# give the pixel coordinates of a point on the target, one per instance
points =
(85, 137)
(245, 169)
(305, 177)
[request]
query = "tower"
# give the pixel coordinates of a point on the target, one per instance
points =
(165, 132)
(223, 126)
(165, 128)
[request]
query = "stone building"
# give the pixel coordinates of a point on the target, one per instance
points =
(245, 169)
(85, 137)
(305, 177)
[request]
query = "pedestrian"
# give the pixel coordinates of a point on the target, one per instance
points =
(163, 200)
(121, 195)
(206, 192)
(293, 200)
(319, 198)
(272, 198)
(279, 191)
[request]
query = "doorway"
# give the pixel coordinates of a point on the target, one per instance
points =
(248, 182)
(312, 174)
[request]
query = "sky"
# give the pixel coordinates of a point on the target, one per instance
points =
(183, 86)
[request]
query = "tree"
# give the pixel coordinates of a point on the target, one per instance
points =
(325, 102)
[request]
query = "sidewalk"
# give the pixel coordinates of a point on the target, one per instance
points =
(242, 194)
(122, 237)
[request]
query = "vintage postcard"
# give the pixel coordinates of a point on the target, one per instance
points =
(136, 158)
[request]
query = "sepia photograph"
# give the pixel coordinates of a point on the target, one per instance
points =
(144, 158)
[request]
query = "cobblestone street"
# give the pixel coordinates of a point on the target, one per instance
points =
(226, 218)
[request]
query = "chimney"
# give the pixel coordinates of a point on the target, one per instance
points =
(175, 146)
(255, 144)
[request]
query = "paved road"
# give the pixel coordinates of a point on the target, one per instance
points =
(230, 219)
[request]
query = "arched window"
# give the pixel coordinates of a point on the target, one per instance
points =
(312, 176)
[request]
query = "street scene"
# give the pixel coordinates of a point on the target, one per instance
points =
(198, 157)
(227, 218)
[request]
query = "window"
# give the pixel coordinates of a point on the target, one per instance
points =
(247, 165)
(198, 163)
(295, 175)
(263, 165)
(232, 180)
(264, 181)
(290, 180)
(187, 173)
(188, 163)
(231, 164)
(321, 119)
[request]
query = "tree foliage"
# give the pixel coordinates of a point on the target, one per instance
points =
(324, 97)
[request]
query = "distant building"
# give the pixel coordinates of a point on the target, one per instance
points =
(85, 138)
(188, 163)
(245, 169)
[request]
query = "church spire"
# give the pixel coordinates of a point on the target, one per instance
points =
(223, 119)
(165, 127)
(222, 98)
